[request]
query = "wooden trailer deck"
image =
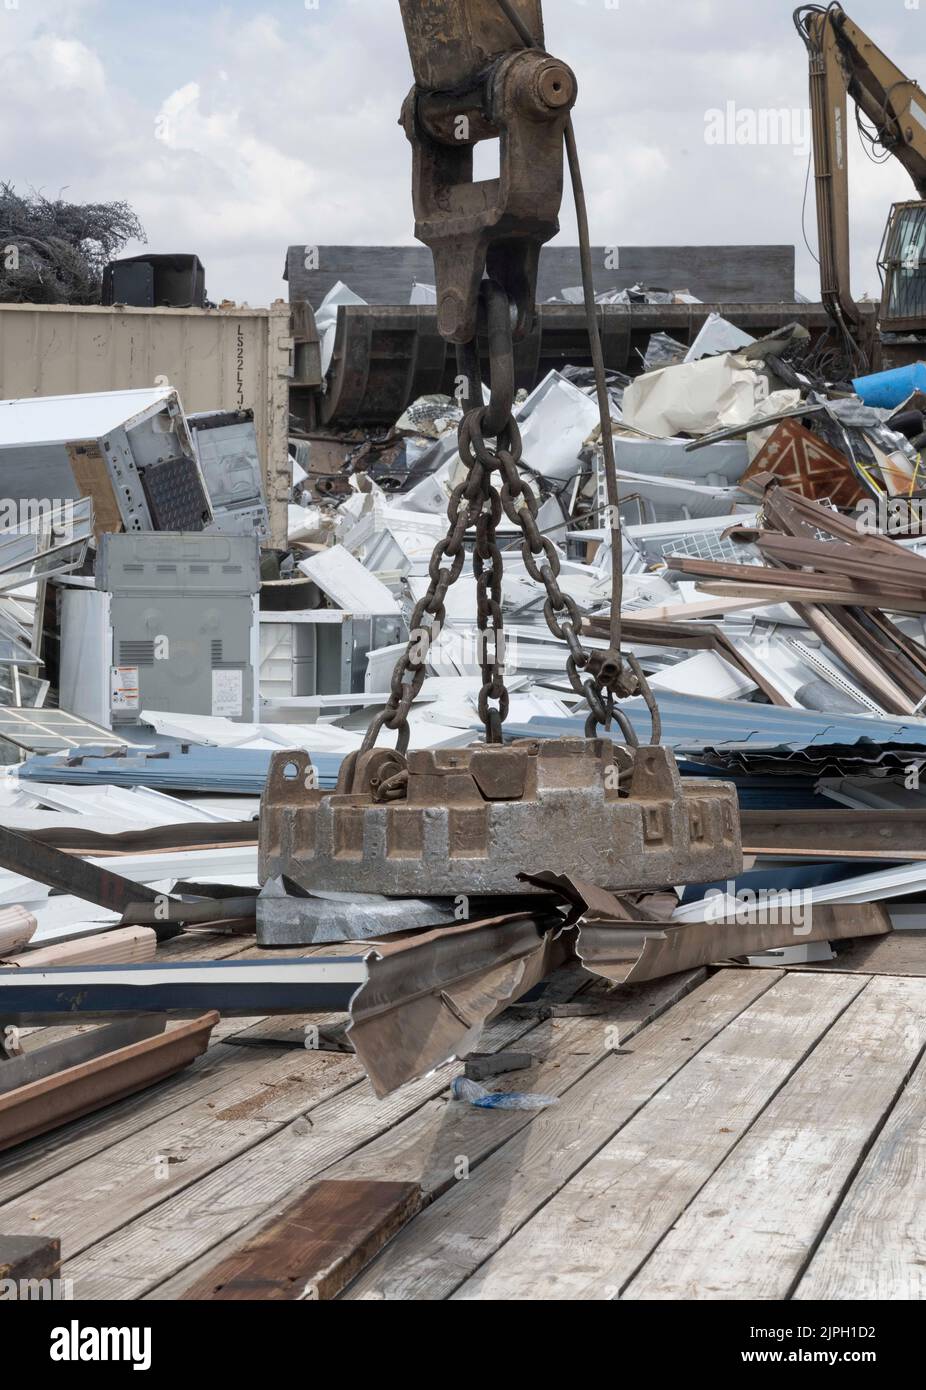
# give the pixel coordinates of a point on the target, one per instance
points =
(732, 1133)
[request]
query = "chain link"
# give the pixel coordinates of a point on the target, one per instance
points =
(477, 505)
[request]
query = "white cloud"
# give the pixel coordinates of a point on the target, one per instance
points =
(280, 125)
(64, 63)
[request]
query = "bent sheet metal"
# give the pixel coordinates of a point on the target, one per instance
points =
(628, 943)
(427, 998)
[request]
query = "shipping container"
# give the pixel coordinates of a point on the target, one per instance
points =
(230, 359)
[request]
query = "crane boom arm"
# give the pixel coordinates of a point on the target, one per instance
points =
(844, 61)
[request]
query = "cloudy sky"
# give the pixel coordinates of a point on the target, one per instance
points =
(237, 128)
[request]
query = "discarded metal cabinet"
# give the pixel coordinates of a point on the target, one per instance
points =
(229, 358)
(322, 651)
(228, 454)
(172, 625)
(130, 451)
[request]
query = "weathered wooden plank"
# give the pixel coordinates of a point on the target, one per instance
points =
(184, 1227)
(29, 1257)
(875, 1247)
(589, 1239)
(428, 1146)
(43, 1160)
(212, 1219)
(31, 1164)
(425, 1146)
(92, 1199)
(754, 1226)
(900, 953)
(317, 1246)
(204, 946)
(466, 1226)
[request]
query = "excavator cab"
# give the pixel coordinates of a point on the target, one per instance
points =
(902, 264)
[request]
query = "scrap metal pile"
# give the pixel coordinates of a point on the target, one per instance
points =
(781, 638)
(651, 650)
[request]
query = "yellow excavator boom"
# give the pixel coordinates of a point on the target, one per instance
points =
(845, 62)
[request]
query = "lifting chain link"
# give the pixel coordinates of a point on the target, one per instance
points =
(477, 505)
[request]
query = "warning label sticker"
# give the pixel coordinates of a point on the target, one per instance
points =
(228, 693)
(123, 687)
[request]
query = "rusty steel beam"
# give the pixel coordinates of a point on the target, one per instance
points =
(428, 997)
(781, 578)
(45, 1101)
(24, 855)
(795, 515)
(25, 1068)
(900, 567)
(139, 904)
(809, 593)
(150, 840)
(857, 626)
(609, 942)
(629, 954)
(867, 834)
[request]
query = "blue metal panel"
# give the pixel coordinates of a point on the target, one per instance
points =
(766, 792)
(323, 984)
(783, 878)
(198, 769)
(692, 723)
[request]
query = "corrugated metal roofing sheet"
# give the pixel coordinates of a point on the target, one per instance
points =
(692, 723)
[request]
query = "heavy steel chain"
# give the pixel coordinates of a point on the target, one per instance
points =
(477, 504)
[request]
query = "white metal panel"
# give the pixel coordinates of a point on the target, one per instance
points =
(859, 888)
(227, 863)
(59, 419)
(347, 583)
(705, 673)
(555, 421)
(86, 654)
(133, 806)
